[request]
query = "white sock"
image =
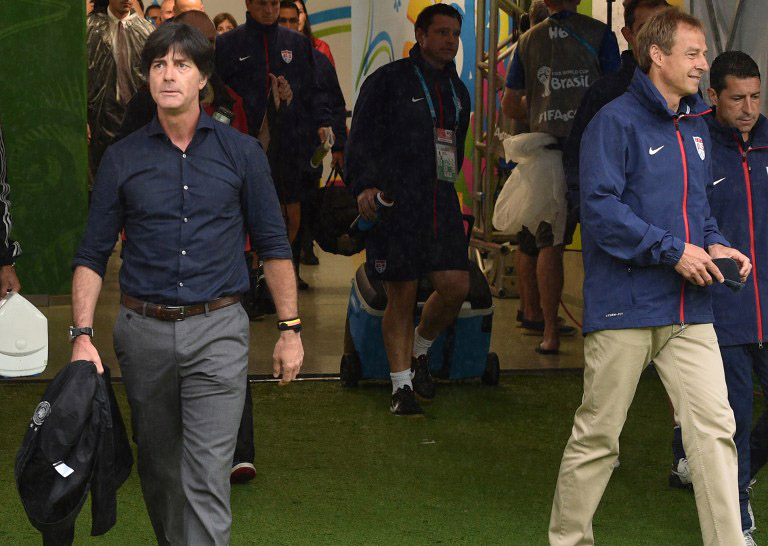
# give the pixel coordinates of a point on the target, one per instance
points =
(400, 380)
(420, 345)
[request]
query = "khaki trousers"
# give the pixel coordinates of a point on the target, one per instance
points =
(688, 361)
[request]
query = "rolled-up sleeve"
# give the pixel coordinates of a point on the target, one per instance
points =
(105, 218)
(261, 208)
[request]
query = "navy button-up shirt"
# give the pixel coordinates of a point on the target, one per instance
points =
(185, 213)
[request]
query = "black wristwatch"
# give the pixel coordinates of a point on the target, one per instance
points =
(74, 332)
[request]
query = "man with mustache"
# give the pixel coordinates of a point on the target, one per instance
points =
(739, 197)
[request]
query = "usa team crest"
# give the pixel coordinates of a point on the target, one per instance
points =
(287, 55)
(699, 147)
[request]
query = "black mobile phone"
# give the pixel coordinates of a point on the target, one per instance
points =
(730, 270)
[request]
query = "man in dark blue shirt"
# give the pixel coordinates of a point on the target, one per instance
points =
(186, 189)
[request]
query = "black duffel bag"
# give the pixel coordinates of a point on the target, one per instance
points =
(337, 209)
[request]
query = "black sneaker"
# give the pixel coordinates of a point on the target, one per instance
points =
(404, 402)
(423, 384)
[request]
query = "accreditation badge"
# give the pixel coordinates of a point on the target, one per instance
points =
(445, 155)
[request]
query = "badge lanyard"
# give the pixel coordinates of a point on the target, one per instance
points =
(445, 139)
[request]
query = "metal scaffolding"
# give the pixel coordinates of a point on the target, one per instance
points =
(487, 245)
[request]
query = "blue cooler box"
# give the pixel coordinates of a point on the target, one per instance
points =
(460, 352)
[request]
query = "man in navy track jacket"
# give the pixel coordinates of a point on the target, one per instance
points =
(245, 57)
(739, 199)
(648, 241)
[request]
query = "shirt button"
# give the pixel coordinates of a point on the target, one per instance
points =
(184, 156)
(186, 187)
(181, 284)
(183, 252)
(186, 220)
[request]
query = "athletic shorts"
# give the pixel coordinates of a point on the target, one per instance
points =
(526, 242)
(412, 240)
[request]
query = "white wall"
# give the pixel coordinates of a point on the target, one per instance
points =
(750, 36)
(235, 7)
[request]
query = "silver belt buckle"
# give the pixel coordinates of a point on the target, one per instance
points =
(179, 308)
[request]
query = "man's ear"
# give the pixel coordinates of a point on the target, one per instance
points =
(627, 33)
(656, 55)
(712, 94)
(419, 35)
(203, 82)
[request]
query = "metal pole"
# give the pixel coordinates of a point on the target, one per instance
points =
(477, 173)
(488, 179)
(609, 14)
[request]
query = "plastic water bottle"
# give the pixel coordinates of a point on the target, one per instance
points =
(321, 151)
(363, 224)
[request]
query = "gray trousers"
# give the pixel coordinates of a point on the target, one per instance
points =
(185, 383)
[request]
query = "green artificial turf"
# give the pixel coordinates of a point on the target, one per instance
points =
(334, 467)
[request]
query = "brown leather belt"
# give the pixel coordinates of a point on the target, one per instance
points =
(175, 312)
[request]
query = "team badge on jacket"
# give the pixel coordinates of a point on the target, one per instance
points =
(380, 266)
(42, 411)
(699, 147)
(287, 55)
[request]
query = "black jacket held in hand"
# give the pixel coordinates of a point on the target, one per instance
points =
(76, 442)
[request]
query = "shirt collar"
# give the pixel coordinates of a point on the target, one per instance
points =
(203, 122)
(114, 20)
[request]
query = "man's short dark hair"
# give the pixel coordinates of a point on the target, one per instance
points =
(427, 14)
(182, 39)
(731, 63)
(631, 7)
(289, 4)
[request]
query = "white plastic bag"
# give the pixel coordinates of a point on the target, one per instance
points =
(535, 191)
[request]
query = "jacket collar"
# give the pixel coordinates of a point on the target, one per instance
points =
(731, 137)
(254, 25)
(650, 97)
(628, 62)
